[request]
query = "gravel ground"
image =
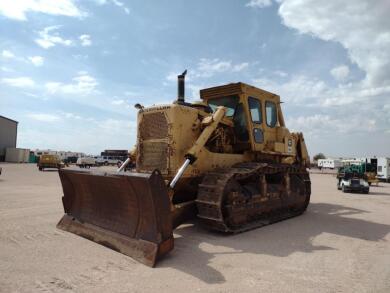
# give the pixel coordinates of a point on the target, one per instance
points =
(341, 244)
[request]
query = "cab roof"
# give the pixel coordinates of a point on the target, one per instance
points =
(236, 89)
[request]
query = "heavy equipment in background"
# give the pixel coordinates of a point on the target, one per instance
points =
(229, 160)
(363, 170)
(49, 162)
(353, 178)
(86, 162)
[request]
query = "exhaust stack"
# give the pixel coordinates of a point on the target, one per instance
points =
(181, 87)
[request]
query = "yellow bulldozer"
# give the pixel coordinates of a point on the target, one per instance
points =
(228, 160)
(49, 161)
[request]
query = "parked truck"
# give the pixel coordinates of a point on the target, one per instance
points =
(49, 162)
(86, 162)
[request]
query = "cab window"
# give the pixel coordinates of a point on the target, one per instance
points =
(240, 126)
(255, 110)
(230, 102)
(270, 111)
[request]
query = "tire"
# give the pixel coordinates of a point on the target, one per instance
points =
(40, 168)
(343, 189)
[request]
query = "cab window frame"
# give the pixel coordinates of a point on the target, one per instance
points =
(259, 108)
(274, 109)
(240, 123)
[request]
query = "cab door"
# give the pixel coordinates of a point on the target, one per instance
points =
(256, 128)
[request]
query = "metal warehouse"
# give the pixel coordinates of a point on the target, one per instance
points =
(8, 135)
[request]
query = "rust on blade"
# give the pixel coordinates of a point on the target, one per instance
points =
(129, 213)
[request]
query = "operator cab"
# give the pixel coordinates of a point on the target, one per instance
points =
(256, 115)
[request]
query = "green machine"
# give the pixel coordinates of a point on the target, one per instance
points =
(365, 171)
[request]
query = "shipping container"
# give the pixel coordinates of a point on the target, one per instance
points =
(17, 155)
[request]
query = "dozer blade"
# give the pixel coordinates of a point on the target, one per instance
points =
(129, 213)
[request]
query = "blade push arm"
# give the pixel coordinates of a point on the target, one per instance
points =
(191, 156)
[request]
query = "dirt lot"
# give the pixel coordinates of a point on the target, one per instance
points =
(341, 244)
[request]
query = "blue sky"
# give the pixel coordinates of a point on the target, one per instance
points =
(71, 71)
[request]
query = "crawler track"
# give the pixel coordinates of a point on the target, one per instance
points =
(251, 195)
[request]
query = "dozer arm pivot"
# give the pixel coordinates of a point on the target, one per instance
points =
(211, 123)
(191, 156)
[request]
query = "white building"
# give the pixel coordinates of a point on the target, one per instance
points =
(354, 161)
(8, 135)
(329, 163)
(383, 169)
(61, 154)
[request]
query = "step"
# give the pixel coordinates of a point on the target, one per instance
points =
(207, 202)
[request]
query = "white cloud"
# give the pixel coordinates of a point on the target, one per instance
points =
(122, 5)
(114, 2)
(298, 89)
(209, 67)
(116, 126)
(79, 133)
(44, 117)
(6, 69)
(31, 95)
(47, 40)
(80, 56)
(362, 27)
(85, 40)
(322, 124)
(117, 3)
(344, 114)
(280, 73)
(72, 116)
(19, 82)
(340, 73)
(83, 84)
(7, 54)
(17, 9)
(172, 76)
(36, 60)
(194, 91)
(259, 3)
(118, 102)
(240, 67)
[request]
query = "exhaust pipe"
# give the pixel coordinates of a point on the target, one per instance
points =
(181, 87)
